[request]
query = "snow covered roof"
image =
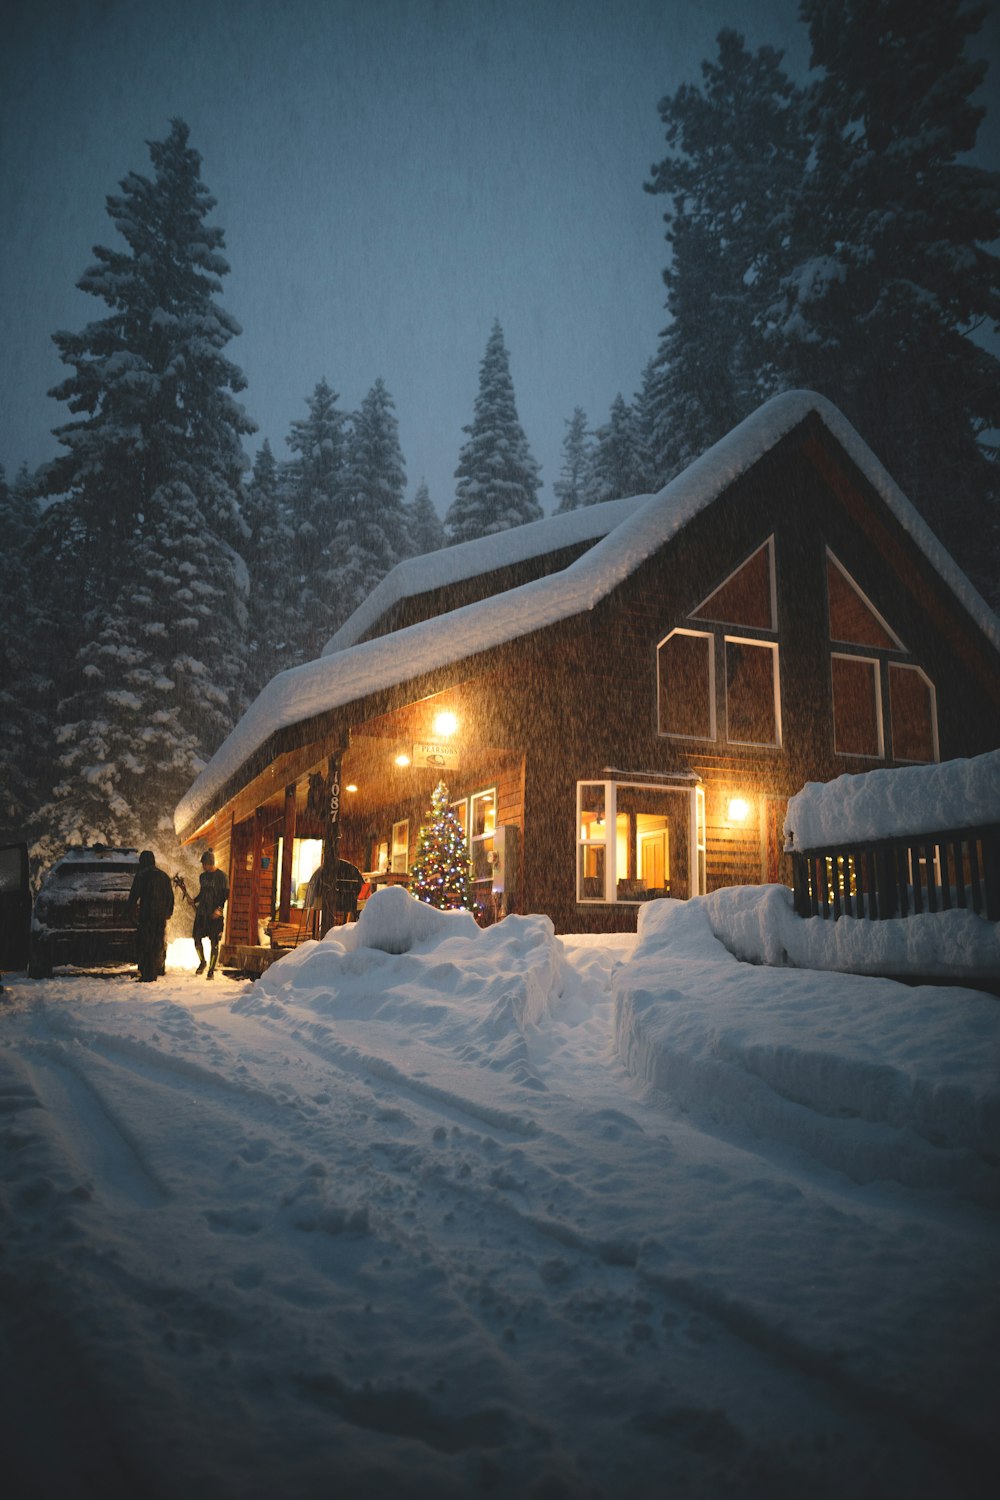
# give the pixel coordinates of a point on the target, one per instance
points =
(344, 676)
(891, 803)
(487, 554)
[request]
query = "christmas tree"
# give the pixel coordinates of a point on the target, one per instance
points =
(440, 873)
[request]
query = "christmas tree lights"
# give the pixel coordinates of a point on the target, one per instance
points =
(440, 873)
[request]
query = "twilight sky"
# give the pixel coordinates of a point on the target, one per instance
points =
(390, 174)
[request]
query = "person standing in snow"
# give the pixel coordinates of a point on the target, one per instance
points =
(152, 894)
(213, 893)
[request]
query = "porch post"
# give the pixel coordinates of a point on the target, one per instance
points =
(331, 845)
(288, 839)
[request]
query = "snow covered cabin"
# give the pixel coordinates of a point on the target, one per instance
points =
(622, 699)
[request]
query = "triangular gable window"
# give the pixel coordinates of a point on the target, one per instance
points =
(746, 597)
(854, 620)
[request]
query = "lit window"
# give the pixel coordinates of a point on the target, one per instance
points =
(592, 840)
(857, 706)
(912, 714)
(686, 692)
(482, 827)
(752, 716)
(461, 811)
(400, 847)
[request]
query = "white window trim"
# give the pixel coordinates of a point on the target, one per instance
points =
(876, 662)
(696, 837)
(909, 666)
(403, 823)
(868, 605)
(705, 635)
(472, 839)
(773, 582)
(772, 646)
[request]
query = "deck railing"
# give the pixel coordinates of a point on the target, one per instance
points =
(900, 877)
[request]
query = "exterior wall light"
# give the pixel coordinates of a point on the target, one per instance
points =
(738, 810)
(445, 724)
(350, 787)
(402, 760)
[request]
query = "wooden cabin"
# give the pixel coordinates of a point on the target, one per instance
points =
(620, 701)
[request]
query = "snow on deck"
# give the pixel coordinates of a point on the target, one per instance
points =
(341, 678)
(435, 570)
(892, 803)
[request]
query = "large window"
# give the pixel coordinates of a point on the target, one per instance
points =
(635, 841)
(857, 706)
(690, 695)
(912, 713)
(687, 685)
(882, 705)
(752, 714)
(307, 856)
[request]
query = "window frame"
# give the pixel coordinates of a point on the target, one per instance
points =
(772, 646)
(609, 841)
(874, 662)
(395, 845)
(911, 666)
(671, 734)
(482, 839)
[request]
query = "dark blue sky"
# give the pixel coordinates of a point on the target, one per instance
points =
(391, 175)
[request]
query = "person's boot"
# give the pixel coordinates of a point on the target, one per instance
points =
(212, 962)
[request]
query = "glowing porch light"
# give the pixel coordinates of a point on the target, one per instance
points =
(402, 760)
(738, 810)
(350, 787)
(445, 724)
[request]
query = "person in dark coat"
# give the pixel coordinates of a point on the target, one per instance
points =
(213, 893)
(152, 894)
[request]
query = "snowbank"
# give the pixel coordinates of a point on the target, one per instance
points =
(876, 1079)
(759, 924)
(886, 803)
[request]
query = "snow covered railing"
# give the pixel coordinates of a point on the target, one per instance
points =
(894, 877)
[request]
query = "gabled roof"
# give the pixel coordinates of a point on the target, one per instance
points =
(486, 554)
(335, 680)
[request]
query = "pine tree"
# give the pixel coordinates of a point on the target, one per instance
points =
(889, 272)
(372, 535)
(150, 694)
(569, 488)
(498, 480)
(737, 155)
(147, 590)
(616, 467)
(425, 527)
(271, 600)
(317, 477)
(440, 873)
(151, 390)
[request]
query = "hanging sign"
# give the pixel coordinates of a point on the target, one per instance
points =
(439, 757)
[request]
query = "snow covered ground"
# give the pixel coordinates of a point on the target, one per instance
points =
(436, 1211)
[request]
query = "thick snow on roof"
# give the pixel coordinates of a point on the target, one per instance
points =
(344, 676)
(890, 803)
(434, 570)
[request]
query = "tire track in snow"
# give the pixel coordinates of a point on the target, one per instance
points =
(102, 1148)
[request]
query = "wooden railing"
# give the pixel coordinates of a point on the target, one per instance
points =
(899, 877)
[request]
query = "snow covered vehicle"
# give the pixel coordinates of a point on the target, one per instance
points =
(80, 914)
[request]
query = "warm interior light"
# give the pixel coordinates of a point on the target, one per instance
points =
(445, 724)
(402, 760)
(350, 787)
(738, 810)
